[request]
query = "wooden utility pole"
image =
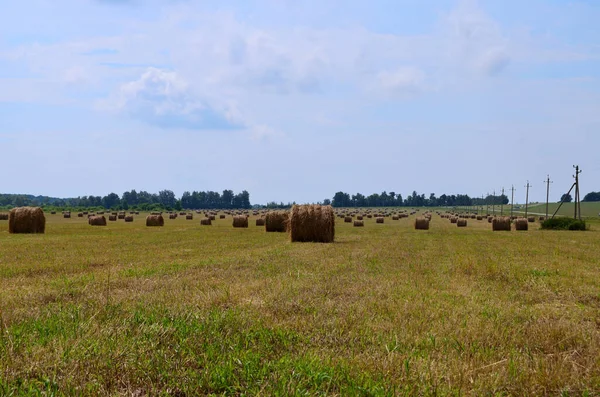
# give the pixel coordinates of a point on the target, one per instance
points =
(512, 200)
(527, 199)
(577, 198)
(494, 203)
(548, 182)
(502, 203)
(487, 204)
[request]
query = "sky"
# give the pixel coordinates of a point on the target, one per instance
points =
(296, 100)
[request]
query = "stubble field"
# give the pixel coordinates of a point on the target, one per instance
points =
(386, 310)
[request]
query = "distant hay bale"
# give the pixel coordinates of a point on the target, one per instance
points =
(312, 223)
(121, 216)
(395, 218)
(359, 217)
(421, 223)
(277, 221)
(67, 215)
(379, 220)
(53, 213)
(100, 212)
(359, 223)
(128, 218)
(182, 213)
(172, 216)
(369, 216)
(490, 219)
(212, 217)
(3, 217)
(222, 216)
(137, 212)
(98, 220)
(205, 222)
(453, 219)
(112, 218)
(462, 222)
(26, 220)
(155, 220)
(84, 212)
(189, 217)
(240, 221)
(479, 218)
(80, 214)
(501, 224)
(531, 219)
(347, 219)
(260, 222)
(542, 218)
(521, 224)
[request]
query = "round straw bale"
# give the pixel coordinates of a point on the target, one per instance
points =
(112, 218)
(121, 216)
(172, 216)
(490, 219)
(359, 217)
(347, 219)
(521, 224)
(369, 216)
(26, 220)
(222, 216)
(98, 220)
(80, 214)
(359, 223)
(260, 222)
(128, 218)
(312, 223)
(155, 220)
(205, 222)
(277, 221)
(395, 217)
(67, 215)
(3, 217)
(239, 221)
(421, 223)
(531, 219)
(212, 217)
(479, 217)
(85, 212)
(189, 217)
(501, 223)
(379, 220)
(462, 222)
(53, 213)
(453, 219)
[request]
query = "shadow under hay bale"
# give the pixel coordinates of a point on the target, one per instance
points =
(312, 223)
(239, 221)
(359, 223)
(155, 220)
(501, 224)
(521, 224)
(26, 220)
(98, 220)
(277, 221)
(421, 223)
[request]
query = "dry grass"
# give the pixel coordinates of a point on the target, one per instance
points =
(188, 310)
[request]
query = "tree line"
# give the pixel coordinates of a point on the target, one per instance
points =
(391, 199)
(142, 200)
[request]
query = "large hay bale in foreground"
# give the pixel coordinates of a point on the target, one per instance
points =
(421, 223)
(206, 222)
(260, 222)
(277, 221)
(238, 221)
(3, 217)
(26, 220)
(501, 224)
(521, 224)
(312, 223)
(155, 220)
(359, 223)
(98, 220)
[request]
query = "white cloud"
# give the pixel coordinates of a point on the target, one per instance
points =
(404, 82)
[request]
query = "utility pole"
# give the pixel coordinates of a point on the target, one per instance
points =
(512, 201)
(494, 203)
(548, 182)
(487, 204)
(577, 198)
(502, 203)
(527, 198)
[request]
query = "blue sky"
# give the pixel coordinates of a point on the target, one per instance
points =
(295, 100)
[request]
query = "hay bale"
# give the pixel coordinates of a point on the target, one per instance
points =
(542, 218)
(479, 217)
(3, 217)
(379, 220)
(189, 217)
(80, 215)
(26, 220)
(359, 217)
(490, 219)
(312, 223)
(531, 219)
(359, 224)
(501, 224)
(128, 218)
(369, 216)
(155, 220)
(453, 219)
(121, 216)
(212, 217)
(239, 221)
(347, 219)
(98, 220)
(222, 216)
(462, 222)
(112, 218)
(205, 222)
(395, 218)
(421, 223)
(521, 224)
(260, 222)
(172, 216)
(67, 215)
(53, 213)
(277, 221)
